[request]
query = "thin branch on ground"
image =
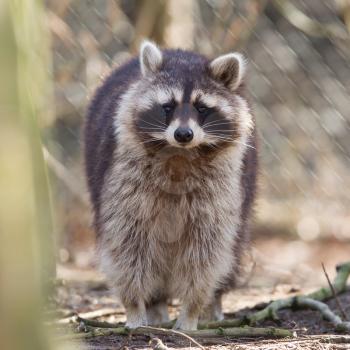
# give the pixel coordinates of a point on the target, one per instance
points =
(228, 323)
(235, 332)
(335, 296)
(270, 311)
(102, 312)
(202, 325)
(157, 344)
(326, 312)
(233, 327)
(339, 284)
(90, 315)
(173, 331)
(97, 324)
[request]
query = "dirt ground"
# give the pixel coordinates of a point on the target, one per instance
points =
(84, 291)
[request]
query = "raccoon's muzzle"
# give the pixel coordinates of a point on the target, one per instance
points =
(183, 135)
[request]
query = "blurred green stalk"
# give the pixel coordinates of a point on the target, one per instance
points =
(26, 246)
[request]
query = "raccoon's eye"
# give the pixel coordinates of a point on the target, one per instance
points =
(168, 108)
(201, 109)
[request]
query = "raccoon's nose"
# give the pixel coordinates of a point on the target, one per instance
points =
(183, 135)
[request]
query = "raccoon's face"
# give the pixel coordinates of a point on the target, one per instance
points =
(187, 101)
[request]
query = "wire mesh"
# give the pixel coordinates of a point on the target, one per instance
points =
(298, 78)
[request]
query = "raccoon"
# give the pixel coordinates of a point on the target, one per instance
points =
(171, 162)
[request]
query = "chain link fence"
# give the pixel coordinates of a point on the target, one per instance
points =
(298, 77)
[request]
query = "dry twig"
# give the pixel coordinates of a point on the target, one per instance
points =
(326, 312)
(232, 327)
(322, 294)
(157, 344)
(202, 333)
(173, 331)
(334, 294)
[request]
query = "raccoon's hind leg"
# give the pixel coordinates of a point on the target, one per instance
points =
(157, 311)
(213, 312)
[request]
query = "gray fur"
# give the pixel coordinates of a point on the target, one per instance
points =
(171, 219)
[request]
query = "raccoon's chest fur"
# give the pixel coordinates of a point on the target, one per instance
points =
(176, 208)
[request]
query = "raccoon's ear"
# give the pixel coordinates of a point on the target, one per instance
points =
(228, 69)
(150, 58)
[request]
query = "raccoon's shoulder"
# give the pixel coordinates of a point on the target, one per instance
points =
(112, 87)
(99, 138)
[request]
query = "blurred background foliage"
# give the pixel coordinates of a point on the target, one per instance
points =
(27, 263)
(298, 77)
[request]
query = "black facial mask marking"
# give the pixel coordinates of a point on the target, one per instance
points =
(152, 120)
(216, 124)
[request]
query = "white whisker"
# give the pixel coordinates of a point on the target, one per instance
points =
(150, 132)
(245, 144)
(158, 129)
(213, 145)
(153, 140)
(216, 122)
(230, 140)
(218, 130)
(158, 121)
(219, 121)
(157, 125)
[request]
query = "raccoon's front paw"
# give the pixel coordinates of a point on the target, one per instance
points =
(135, 318)
(186, 323)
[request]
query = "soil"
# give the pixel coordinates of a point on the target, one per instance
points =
(84, 291)
(312, 331)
